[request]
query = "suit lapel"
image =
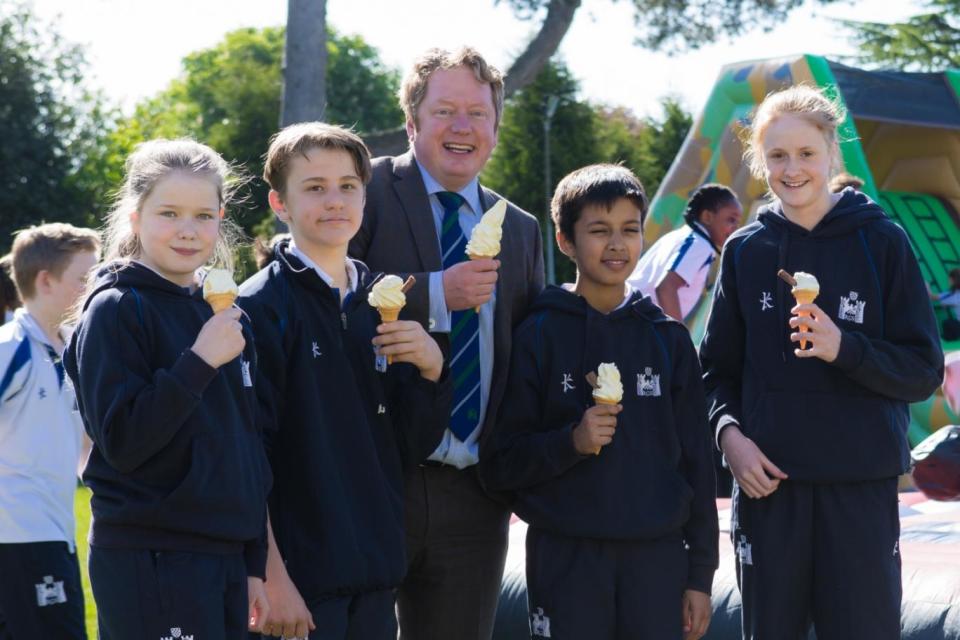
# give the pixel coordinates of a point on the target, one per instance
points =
(412, 195)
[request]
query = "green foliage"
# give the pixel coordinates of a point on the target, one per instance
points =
(228, 96)
(581, 134)
(929, 41)
(678, 25)
(48, 121)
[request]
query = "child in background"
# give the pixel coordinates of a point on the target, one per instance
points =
(41, 439)
(673, 272)
(9, 300)
(343, 424)
(816, 437)
(165, 388)
(619, 497)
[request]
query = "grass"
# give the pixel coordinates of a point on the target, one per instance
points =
(81, 508)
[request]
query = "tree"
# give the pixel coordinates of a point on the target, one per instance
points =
(929, 41)
(670, 25)
(48, 121)
(305, 62)
(229, 96)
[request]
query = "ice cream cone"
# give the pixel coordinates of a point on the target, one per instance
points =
(389, 314)
(220, 301)
(804, 296)
(474, 256)
(607, 401)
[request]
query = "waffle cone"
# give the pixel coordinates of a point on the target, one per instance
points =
(476, 256)
(389, 314)
(804, 296)
(220, 301)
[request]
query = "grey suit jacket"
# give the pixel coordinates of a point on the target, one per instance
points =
(398, 236)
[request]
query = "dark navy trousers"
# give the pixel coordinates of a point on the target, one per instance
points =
(156, 595)
(40, 592)
(826, 554)
(581, 588)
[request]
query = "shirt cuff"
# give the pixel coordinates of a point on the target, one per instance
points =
(725, 421)
(439, 321)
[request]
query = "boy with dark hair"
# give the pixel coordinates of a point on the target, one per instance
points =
(41, 439)
(341, 426)
(619, 497)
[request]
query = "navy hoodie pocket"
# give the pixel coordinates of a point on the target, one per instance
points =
(823, 437)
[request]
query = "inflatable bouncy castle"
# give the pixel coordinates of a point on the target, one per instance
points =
(901, 137)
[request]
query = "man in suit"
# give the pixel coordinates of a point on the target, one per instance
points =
(421, 207)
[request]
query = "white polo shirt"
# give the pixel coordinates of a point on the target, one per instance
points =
(683, 251)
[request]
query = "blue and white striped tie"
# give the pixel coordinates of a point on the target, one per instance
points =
(464, 328)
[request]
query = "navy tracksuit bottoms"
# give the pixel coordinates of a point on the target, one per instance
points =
(155, 595)
(605, 589)
(40, 592)
(826, 554)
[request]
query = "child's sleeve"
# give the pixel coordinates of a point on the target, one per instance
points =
(271, 372)
(907, 363)
(255, 554)
(522, 451)
(722, 349)
(420, 410)
(132, 409)
(701, 530)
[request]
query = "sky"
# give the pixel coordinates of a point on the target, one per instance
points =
(135, 46)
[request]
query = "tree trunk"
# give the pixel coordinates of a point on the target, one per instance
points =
(556, 23)
(304, 62)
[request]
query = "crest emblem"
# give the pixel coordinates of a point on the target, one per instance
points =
(648, 383)
(851, 308)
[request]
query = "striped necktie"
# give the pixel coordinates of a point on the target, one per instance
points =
(464, 328)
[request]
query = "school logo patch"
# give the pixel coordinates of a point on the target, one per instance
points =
(744, 551)
(567, 383)
(539, 624)
(176, 633)
(245, 372)
(851, 309)
(50, 592)
(766, 301)
(648, 383)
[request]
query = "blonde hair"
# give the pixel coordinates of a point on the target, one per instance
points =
(297, 139)
(810, 104)
(153, 161)
(414, 86)
(47, 247)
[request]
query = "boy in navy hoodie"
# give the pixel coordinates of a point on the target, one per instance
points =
(619, 498)
(341, 424)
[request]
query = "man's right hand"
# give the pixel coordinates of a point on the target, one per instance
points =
(756, 475)
(288, 615)
(469, 283)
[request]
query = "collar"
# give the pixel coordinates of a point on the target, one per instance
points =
(627, 293)
(470, 193)
(33, 329)
(352, 276)
(703, 232)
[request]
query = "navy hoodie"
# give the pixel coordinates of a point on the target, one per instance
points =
(655, 478)
(339, 433)
(843, 421)
(178, 461)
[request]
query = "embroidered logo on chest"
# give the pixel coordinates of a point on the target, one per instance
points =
(567, 382)
(648, 383)
(851, 308)
(245, 372)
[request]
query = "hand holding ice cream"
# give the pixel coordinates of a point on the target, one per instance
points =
(805, 290)
(599, 422)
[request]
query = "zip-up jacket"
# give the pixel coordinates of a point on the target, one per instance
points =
(842, 421)
(178, 461)
(655, 479)
(339, 432)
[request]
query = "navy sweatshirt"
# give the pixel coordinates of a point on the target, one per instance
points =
(843, 421)
(655, 478)
(178, 460)
(339, 433)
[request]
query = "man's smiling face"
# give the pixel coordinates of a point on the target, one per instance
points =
(455, 132)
